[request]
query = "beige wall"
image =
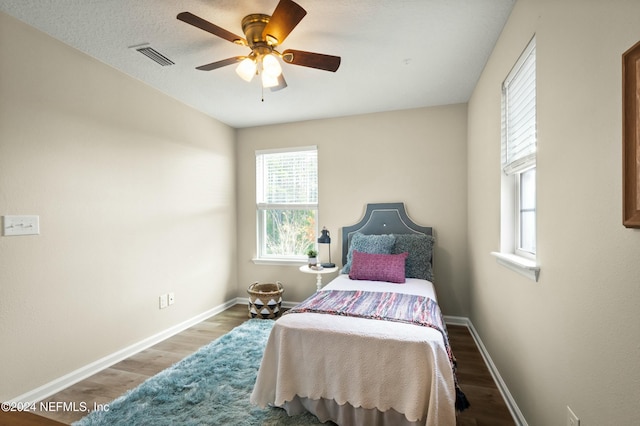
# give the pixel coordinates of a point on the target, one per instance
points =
(573, 338)
(416, 156)
(136, 198)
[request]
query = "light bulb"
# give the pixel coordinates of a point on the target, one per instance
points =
(271, 66)
(246, 69)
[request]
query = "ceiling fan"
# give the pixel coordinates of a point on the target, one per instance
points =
(263, 33)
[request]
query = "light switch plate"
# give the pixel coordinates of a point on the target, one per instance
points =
(21, 225)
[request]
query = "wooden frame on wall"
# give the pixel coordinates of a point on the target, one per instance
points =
(631, 137)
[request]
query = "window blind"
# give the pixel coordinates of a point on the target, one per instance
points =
(287, 177)
(519, 114)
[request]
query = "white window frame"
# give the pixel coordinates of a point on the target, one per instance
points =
(262, 257)
(518, 157)
(518, 248)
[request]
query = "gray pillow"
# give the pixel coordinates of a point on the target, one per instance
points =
(420, 248)
(372, 244)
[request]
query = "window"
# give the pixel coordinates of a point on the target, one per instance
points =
(286, 203)
(519, 144)
(527, 213)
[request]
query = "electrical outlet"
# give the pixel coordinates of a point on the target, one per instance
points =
(172, 298)
(572, 419)
(163, 301)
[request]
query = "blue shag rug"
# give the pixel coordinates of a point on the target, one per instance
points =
(210, 387)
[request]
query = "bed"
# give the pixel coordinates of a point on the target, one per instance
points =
(354, 368)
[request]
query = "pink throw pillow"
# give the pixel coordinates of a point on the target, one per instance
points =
(378, 267)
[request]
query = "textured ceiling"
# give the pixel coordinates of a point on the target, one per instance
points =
(396, 54)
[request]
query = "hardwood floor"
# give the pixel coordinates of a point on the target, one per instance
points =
(487, 405)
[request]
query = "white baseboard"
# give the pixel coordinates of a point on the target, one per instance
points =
(464, 321)
(82, 373)
(245, 301)
(518, 418)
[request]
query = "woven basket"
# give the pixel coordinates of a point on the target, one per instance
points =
(265, 300)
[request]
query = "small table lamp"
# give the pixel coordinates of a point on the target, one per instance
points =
(325, 238)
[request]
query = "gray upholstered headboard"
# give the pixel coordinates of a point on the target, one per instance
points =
(382, 218)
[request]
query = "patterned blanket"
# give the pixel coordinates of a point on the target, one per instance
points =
(386, 306)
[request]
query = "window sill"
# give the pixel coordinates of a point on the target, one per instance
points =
(279, 262)
(521, 265)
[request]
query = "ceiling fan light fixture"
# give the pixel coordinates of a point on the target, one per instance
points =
(271, 66)
(262, 34)
(246, 69)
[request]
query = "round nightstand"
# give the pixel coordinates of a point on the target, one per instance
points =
(318, 273)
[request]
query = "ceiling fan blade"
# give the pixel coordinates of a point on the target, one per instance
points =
(281, 84)
(311, 60)
(198, 22)
(220, 64)
(283, 20)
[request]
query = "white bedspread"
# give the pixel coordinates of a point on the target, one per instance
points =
(367, 363)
